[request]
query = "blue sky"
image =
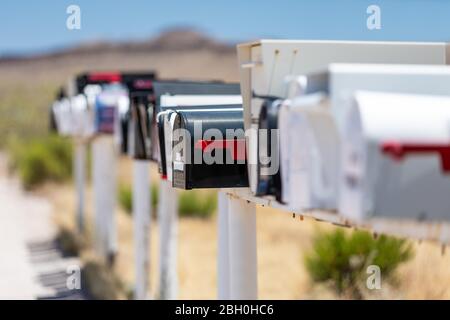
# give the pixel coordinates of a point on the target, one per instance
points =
(31, 26)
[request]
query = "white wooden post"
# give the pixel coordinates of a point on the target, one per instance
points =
(142, 224)
(104, 181)
(243, 255)
(79, 167)
(223, 253)
(168, 234)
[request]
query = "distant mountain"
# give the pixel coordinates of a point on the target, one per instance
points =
(172, 40)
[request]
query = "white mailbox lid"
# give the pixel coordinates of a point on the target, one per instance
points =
(345, 79)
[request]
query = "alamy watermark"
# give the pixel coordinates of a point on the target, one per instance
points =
(373, 281)
(374, 18)
(73, 21)
(73, 281)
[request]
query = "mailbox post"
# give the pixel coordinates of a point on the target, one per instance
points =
(136, 141)
(104, 154)
(223, 248)
(168, 230)
(242, 249)
(104, 183)
(141, 226)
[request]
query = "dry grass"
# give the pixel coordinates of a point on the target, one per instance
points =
(282, 241)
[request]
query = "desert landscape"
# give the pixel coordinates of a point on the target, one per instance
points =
(27, 87)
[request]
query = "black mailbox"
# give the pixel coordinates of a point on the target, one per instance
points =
(100, 78)
(180, 88)
(268, 166)
(135, 125)
(209, 160)
(139, 86)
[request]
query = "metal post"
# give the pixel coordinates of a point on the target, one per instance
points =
(80, 178)
(243, 255)
(223, 253)
(168, 233)
(142, 223)
(104, 181)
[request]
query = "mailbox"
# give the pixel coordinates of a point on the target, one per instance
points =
(53, 123)
(171, 103)
(395, 157)
(309, 148)
(213, 157)
(265, 64)
(62, 114)
(80, 117)
(183, 88)
(268, 169)
(136, 126)
(110, 104)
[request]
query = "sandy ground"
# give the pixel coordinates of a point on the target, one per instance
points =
(282, 242)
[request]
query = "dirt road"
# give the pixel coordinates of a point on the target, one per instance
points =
(31, 264)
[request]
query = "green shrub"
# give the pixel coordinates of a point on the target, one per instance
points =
(155, 195)
(341, 259)
(126, 198)
(192, 204)
(41, 160)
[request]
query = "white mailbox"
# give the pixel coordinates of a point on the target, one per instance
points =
(318, 146)
(308, 149)
(63, 117)
(396, 157)
(265, 64)
(110, 105)
(170, 103)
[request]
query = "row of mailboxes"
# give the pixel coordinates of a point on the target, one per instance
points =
(303, 107)
(356, 145)
(264, 66)
(99, 103)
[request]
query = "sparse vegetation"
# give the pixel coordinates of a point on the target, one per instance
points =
(40, 160)
(126, 198)
(191, 203)
(340, 259)
(196, 204)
